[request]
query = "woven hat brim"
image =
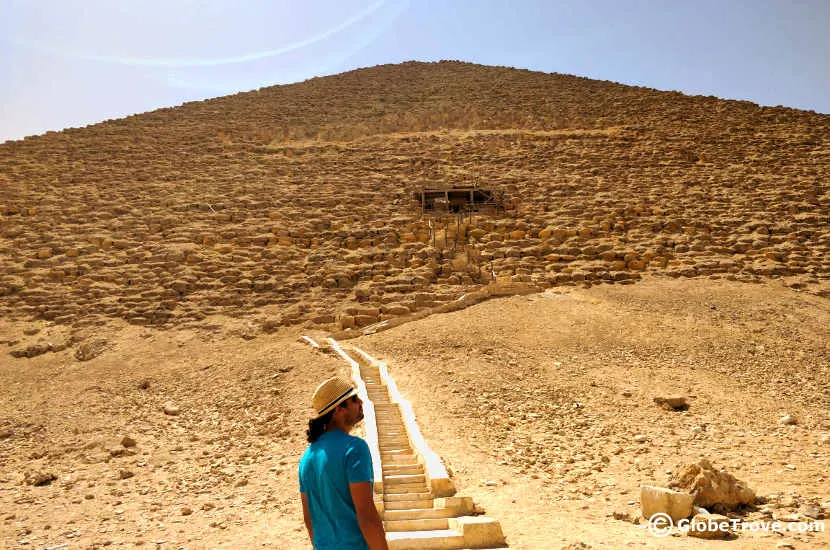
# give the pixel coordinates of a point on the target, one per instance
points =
(325, 410)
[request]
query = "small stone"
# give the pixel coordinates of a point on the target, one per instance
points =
(640, 438)
(788, 420)
(117, 451)
(710, 527)
(186, 511)
(128, 441)
(674, 402)
(125, 474)
(785, 546)
(623, 515)
(811, 511)
(38, 479)
(5, 433)
(208, 506)
(170, 409)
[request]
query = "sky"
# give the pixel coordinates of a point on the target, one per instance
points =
(69, 63)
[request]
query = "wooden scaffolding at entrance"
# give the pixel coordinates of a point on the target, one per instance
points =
(460, 199)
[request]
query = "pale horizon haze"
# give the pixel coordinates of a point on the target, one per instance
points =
(69, 63)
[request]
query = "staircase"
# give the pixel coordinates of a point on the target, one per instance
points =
(415, 496)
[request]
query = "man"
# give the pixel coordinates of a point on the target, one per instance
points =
(336, 474)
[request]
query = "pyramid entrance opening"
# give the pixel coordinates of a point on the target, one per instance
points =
(459, 199)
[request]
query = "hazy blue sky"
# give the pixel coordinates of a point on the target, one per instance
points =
(73, 62)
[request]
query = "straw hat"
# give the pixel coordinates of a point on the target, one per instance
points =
(331, 393)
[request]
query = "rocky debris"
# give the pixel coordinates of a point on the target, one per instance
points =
(38, 479)
(673, 402)
(623, 515)
(811, 511)
(128, 441)
(655, 500)
(90, 350)
(5, 433)
(712, 489)
(177, 254)
(710, 527)
(32, 350)
(125, 474)
(171, 409)
(185, 511)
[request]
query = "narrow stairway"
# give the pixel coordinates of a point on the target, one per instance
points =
(411, 514)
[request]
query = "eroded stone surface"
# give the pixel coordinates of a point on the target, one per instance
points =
(294, 202)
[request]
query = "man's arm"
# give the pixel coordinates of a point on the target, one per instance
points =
(307, 517)
(367, 515)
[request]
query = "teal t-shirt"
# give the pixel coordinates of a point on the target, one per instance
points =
(326, 469)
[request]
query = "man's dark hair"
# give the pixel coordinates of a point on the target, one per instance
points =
(317, 426)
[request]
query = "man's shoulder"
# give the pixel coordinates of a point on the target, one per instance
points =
(354, 442)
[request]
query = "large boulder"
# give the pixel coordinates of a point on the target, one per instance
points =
(712, 488)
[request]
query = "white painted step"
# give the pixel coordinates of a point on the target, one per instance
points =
(404, 478)
(420, 524)
(438, 539)
(393, 505)
(414, 469)
(418, 513)
(408, 496)
(405, 490)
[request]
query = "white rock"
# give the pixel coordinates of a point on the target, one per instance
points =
(788, 420)
(655, 500)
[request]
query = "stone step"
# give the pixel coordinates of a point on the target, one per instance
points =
(418, 513)
(408, 496)
(438, 539)
(413, 469)
(419, 524)
(394, 457)
(419, 504)
(404, 478)
(404, 488)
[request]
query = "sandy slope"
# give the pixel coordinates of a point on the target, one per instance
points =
(541, 394)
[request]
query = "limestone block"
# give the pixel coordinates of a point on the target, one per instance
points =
(344, 321)
(395, 309)
(655, 500)
(365, 320)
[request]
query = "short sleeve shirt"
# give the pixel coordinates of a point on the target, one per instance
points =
(326, 469)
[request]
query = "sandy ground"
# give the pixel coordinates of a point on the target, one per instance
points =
(533, 402)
